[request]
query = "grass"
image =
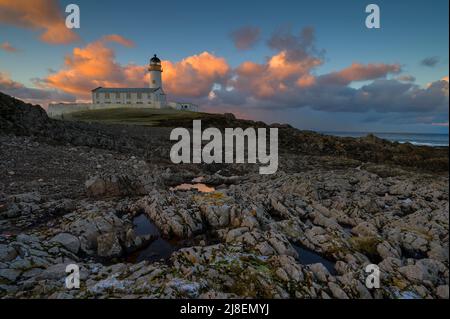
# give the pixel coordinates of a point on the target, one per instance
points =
(141, 116)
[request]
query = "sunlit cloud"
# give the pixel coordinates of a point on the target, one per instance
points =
(288, 79)
(195, 75)
(6, 46)
(32, 95)
(45, 16)
(95, 65)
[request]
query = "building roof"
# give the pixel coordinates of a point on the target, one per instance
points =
(124, 90)
(155, 59)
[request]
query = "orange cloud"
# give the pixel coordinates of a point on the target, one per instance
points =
(194, 76)
(45, 15)
(31, 95)
(278, 74)
(360, 72)
(95, 65)
(6, 46)
(118, 39)
(306, 81)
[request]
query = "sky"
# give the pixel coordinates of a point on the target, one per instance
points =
(312, 64)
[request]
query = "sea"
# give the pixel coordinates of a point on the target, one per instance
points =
(428, 139)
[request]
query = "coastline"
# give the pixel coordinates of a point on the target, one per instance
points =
(106, 197)
(418, 139)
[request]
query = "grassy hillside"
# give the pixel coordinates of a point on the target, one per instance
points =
(147, 116)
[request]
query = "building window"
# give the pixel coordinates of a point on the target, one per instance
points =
(139, 96)
(128, 95)
(107, 95)
(117, 95)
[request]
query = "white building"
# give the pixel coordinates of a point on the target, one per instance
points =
(104, 98)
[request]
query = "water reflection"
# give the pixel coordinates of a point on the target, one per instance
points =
(308, 257)
(199, 187)
(159, 249)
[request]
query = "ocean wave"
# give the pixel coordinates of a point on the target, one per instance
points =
(425, 144)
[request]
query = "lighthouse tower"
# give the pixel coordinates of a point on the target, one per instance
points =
(155, 69)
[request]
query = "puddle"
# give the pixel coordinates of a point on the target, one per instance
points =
(308, 257)
(202, 188)
(159, 249)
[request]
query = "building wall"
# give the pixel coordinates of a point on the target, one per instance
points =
(156, 99)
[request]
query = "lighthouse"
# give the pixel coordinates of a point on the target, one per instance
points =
(152, 96)
(155, 70)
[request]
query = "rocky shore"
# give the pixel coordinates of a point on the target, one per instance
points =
(105, 197)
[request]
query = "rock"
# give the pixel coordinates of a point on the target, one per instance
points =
(108, 246)
(54, 272)
(27, 239)
(336, 291)
(9, 274)
(385, 250)
(282, 274)
(229, 116)
(442, 292)
(186, 288)
(217, 216)
(320, 272)
(234, 233)
(423, 270)
(7, 253)
(111, 284)
(365, 229)
(114, 185)
(68, 241)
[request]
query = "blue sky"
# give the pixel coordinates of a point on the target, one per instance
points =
(410, 32)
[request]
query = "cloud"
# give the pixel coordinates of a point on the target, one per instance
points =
(288, 80)
(406, 78)
(95, 65)
(359, 72)
(6, 46)
(445, 124)
(297, 46)
(246, 37)
(118, 39)
(43, 15)
(194, 76)
(430, 61)
(32, 95)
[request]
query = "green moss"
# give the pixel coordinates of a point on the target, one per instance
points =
(366, 245)
(134, 116)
